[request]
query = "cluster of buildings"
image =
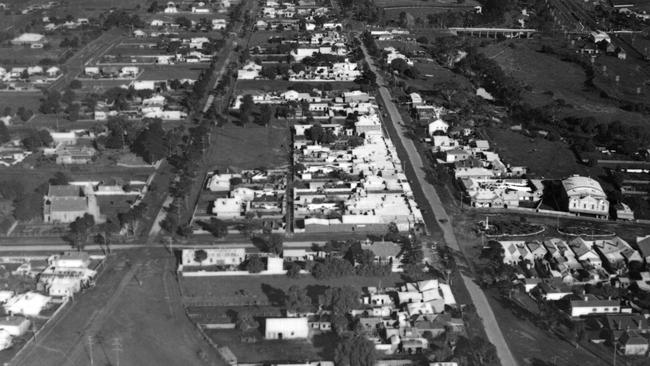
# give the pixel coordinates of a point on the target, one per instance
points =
(559, 271)
(35, 74)
(287, 14)
(57, 281)
(252, 194)
(397, 320)
(351, 187)
(112, 72)
(198, 7)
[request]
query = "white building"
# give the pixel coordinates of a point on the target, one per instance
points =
(437, 125)
(221, 182)
(28, 304)
(228, 208)
(592, 306)
(214, 256)
(250, 71)
(583, 195)
(286, 328)
(70, 260)
(14, 325)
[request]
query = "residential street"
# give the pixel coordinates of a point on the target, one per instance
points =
(444, 221)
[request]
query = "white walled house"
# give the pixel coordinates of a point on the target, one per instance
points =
(215, 256)
(286, 328)
(593, 306)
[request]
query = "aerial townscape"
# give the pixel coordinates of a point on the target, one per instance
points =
(325, 182)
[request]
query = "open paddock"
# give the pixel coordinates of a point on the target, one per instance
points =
(271, 289)
(15, 100)
(25, 56)
(544, 158)
(244, 86)
(249, 147)
(261, 38)
(170, 72)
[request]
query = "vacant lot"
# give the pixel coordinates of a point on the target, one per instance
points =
(544, 158)
(15, 100)
(271, 289)
(281, 85)
(240, 148)
(169, 72)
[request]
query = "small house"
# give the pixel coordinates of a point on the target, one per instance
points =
(286, 328)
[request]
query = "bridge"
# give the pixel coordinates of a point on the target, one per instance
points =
(494, 32)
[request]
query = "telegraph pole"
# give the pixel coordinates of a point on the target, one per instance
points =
(90, 350)
(117, 346)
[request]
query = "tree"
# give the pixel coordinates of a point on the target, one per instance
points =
(37, 139)
(274, 244)
(245, 321)
(315, 133)
(79, 230)
(59, 179)
(216, 227)
(354, 350)
(297, 299)
(200, 255)
(266, 113)
(246, 108)
(341, 300)
(269, 72)
(24, 114)
(293, 270)
(150, 143)
(4, 133)
(255, 264)
(183, 22)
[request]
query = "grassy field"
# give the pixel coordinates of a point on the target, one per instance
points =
(240, 148)
(273, 288)
(165, 72)
(261, 38)
(544, 158)
(15, 100)
(548, 78)
(281, 85)
(424, 3)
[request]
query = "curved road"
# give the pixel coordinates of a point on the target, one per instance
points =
(444, 221)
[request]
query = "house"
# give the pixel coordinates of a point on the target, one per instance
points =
(28, 39)
(415, 345)
(286, 328)
(643, 243)
(16, 326)
(65, 203)
(633, 344)
(27, 304)
(355, 96)
(584, 253)
(624, 212)
(369, 124)
(416, 99)
(53, 71)
(385, 252)
(615, 325)
(537, 249)
(553, 289)
(591, 305)
(70, 260)
(456, 154)
(218, 24)
(515, 251)
(221, 182)
(231, 257)
(63, 286)
(250, 71)
(583, 195)
(67, 155)
(437, 125)
(616, 252)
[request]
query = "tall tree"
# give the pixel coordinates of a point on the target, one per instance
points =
(150, 143)
(354, 350)
(79, 230)
(4, 133)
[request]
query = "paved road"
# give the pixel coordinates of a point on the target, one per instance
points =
(444, 221)
(75, 64)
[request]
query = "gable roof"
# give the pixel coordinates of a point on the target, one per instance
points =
(68, 204)
(64, 191)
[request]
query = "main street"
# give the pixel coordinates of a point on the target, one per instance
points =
(444, 221)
